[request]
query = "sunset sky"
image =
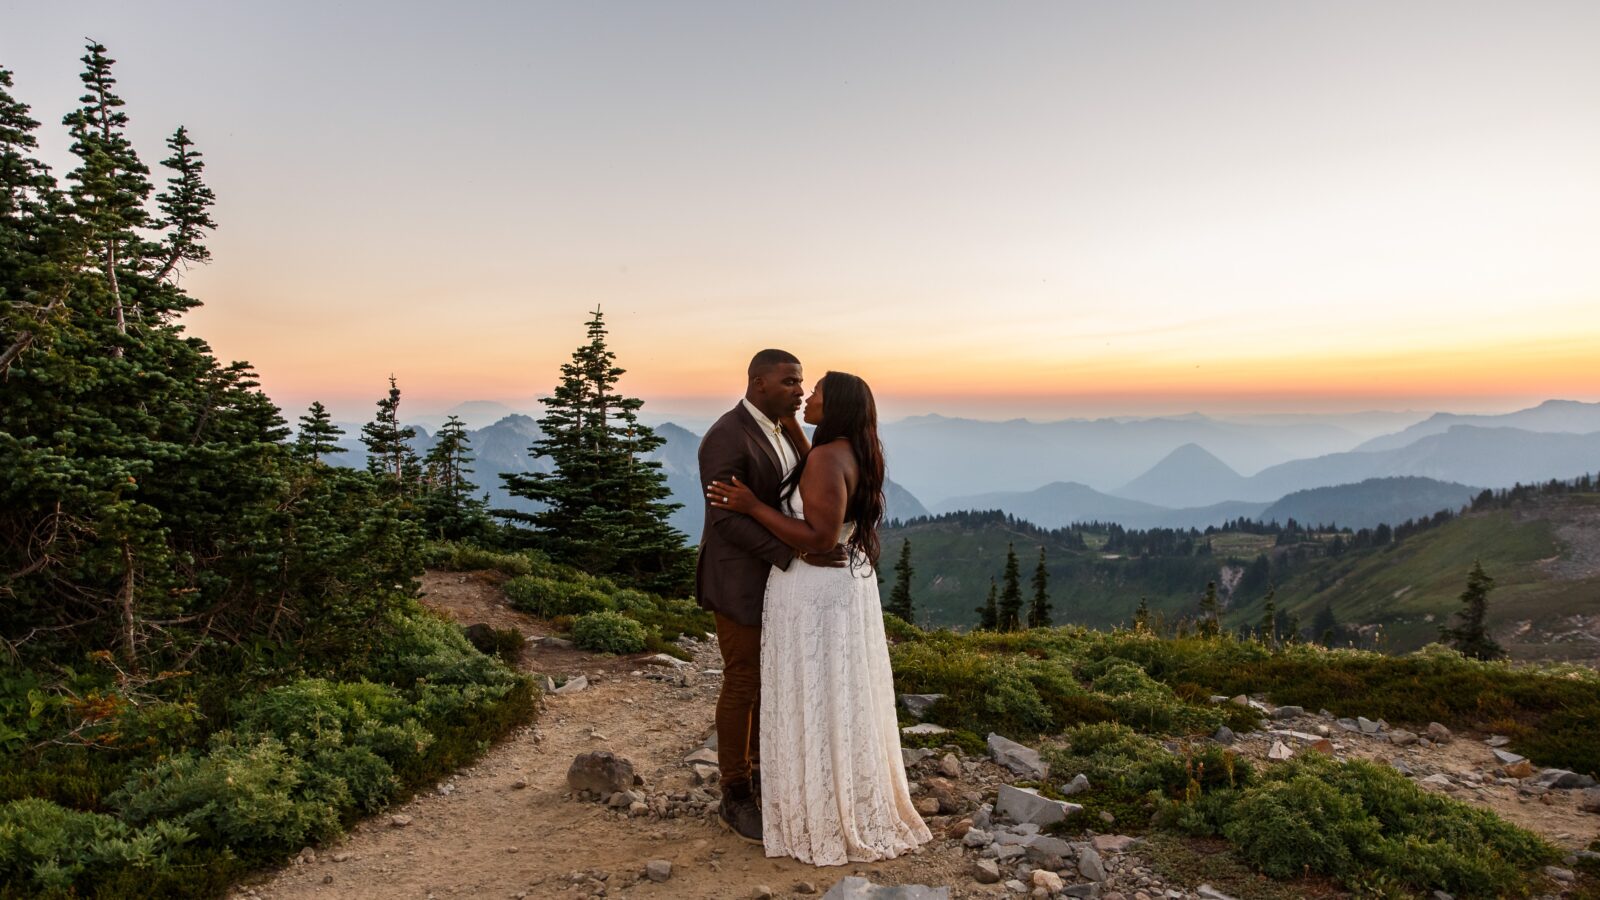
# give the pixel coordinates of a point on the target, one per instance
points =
(997, 209)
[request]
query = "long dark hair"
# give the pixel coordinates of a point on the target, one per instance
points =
(849, 412)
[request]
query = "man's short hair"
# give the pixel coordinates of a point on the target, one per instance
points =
(766, 359)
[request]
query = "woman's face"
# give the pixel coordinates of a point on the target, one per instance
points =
(813, 411)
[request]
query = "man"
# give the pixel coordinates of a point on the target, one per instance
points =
(759, 442)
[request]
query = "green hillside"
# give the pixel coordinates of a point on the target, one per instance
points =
(1533, 551)
(1543, 552)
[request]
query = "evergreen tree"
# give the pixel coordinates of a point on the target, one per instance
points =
(110, 184)
(1141, 617)
(1325, 626)
(989, 612)
(185, 207)
(1011, 594)
(1210, 612)
(900, 597)
(605, 505)
(148, 504)
(318, 435)
(1269, 617)
(1471, 635)
(1039, 609)
(389, 454)
(449, 509)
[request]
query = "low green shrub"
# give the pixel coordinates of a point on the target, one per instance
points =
(254, 797)
(506, 643)
(898, 630)
(608, 632)
(46, 850)
(550, 597)
(1371, 827)
(459, 557)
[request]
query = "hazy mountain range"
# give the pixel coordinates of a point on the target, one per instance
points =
(1182, 471)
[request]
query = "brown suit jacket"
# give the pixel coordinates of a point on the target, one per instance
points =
(736, 551)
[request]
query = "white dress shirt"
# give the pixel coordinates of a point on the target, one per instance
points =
(774, 433)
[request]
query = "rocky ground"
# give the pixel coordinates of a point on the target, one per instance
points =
(512, 826)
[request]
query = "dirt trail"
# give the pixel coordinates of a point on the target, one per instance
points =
(478, 834)
(487, 838)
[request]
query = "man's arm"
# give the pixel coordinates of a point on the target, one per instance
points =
(720, 459)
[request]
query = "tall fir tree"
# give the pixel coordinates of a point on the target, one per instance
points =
(900, 598)
(450, 511)
(390, 457)
(605, 504)
(1011, 593)
(1471, 633)
(1210, 624)
(1325, 625)
(1039, 609)
(989, 612)
(185, 207)
(318, 436)
(1269, 617)
(110, 185)
(1141, 617)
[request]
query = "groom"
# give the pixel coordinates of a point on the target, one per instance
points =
(759, 442)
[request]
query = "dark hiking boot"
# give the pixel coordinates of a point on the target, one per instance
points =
(739, 812)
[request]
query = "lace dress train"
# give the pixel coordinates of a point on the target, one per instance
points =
(833, 782)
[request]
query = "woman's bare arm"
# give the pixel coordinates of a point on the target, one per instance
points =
(824, 489)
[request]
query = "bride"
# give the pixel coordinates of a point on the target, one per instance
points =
(833, 782)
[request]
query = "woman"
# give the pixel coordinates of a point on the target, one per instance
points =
(833, 782)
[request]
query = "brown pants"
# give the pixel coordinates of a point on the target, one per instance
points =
(739, 703)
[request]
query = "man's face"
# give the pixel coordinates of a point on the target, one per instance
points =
(781, 389)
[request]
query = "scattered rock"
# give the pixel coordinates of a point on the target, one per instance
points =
(1559, 873)
(1366, 725)
(1348, 725)
(519, 784)
(1077, 785)
(1241, 700)
(919, 704)
(976, 838)
(1019, 759)
(600, 771)
(574, 685)
(1402, 738)
(913, 755)
(950, 766)
(1401, 766)
(1113, 843)
(928, 806)
(854, 887)
(1589, 800)
(1497, 740)
(399, 821)
(1224, 735)
(1506, 757)
(341, 856)
(1441, 780)
(925, 728)
(662, 659)
(1050, 881)
(1090, 866)
(1562, 779)
(986, 871)
(762, 892)
(1324, 746)
(1520, 769)
(1016, 887)
(1207, 892)
(1288, 712)
(804, 887)
(1026, 806)
(1279, 751)
(1439, 734)
(658, 870)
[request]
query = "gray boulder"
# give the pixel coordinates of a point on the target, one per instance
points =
(1090, 866)
(1049, 853)
(574, 685)
(1288, 712)
(1401, 738)
(658, 870)
(1506, 757)
(1439, 734)
(600, 771)
(1589, 800)
(1367, 726)
(853, 887)
(1025, 805)
(1562, 779)
(1207, 892)
(1077, 785)
(986, 871)
(1022, 760)
(919, 704)
(1224, 736)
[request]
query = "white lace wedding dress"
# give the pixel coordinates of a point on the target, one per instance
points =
(833, 783)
